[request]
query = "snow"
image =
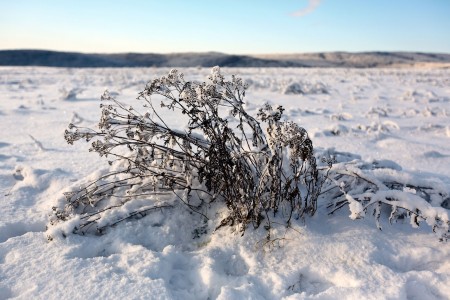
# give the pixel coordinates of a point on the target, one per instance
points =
(398, 118)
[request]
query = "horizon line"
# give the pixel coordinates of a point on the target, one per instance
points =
(227, 53)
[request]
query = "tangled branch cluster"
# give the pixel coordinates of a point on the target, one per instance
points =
(222, 155)
(258, 167)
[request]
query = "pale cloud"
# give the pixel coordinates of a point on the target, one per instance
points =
(312, 5)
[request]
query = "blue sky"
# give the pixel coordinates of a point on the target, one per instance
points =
(230, 26)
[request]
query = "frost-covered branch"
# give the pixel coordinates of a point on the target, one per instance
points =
(365, 188)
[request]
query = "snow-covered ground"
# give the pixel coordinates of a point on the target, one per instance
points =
(402, 115)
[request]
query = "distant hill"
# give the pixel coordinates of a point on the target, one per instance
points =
(360, 59)
(209, 59)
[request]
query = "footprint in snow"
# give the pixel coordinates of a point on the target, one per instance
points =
(309, 285)
(229, 263)
(418, 287)
(5, 292)
(15, 229)
(435, 154)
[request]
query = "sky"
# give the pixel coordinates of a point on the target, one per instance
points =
(229, 26)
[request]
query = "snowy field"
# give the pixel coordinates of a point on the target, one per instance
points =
(400, 115)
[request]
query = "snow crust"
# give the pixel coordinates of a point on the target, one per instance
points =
(399, 118)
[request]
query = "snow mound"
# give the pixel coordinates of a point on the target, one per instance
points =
(305, 88)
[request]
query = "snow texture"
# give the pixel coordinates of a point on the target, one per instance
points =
(390, 118)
